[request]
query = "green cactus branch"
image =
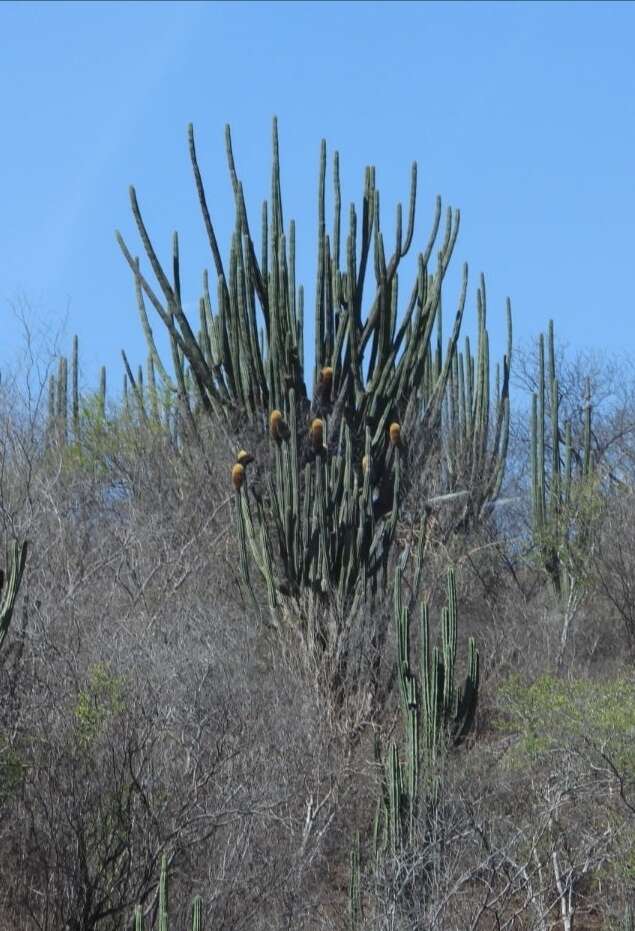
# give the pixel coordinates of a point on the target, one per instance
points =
(436, 714)
(163, 908)
(10, 584)
(562, 481)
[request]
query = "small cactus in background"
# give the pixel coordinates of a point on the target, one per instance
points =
(564, 493)
(561, 529)
(163, 906)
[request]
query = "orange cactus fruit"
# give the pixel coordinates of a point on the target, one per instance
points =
(238, 476)
(317, 433)
(278, 426)
(244, 458)
(395, 434)
(326, 375)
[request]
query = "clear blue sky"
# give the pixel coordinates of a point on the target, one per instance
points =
(521, 114)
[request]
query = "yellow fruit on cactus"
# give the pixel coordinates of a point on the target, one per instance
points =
(238, 476)
(278, 426)
(395, 434)
(317, 433)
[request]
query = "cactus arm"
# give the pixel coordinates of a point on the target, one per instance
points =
(16, 561)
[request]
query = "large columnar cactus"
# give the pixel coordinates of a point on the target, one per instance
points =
(436, 713)
(562, 476)
(326, 524)
(370, 365)
(344, 453)
(10, 584)
(564, 493)
(476, 449)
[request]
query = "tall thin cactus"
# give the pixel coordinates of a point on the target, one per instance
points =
(564, 493)
(196, 923)
(10, 584)
(163, 895)
(476, 431)
(75, 390)
(561, 474)
(436, 714)
(354, 887)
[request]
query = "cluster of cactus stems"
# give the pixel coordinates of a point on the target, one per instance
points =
(143, 399)
(323, 522)
(560, 528)
(10, 584)
(341, 457)
(64, 412)
(436, 714)
(163, 907)
(476, 453)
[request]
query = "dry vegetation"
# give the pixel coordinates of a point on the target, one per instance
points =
(148, 708)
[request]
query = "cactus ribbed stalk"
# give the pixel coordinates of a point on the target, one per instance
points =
(354, 890)
(10, 584)
(560, 525)
(163, 895)
(476, 441)
(75, 388)
(436, 714)
(102, 391)
(564, 494)
(163, 909)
